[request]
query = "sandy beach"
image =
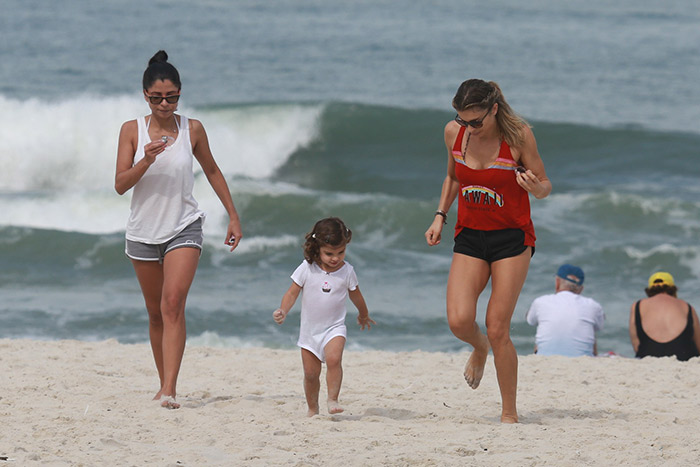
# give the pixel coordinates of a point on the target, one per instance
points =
(88, 403)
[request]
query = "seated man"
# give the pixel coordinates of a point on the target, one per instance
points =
(566, 321)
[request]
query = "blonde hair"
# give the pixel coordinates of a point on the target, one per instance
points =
(481, 94)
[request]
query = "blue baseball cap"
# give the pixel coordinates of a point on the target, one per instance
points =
(573, 274)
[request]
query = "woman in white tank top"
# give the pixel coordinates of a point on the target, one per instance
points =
(155, 159)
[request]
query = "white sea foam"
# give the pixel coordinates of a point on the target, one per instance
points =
(212, 339)
(59, 157)
(256, 141)
(66, 145)
(94, 213)
(640, 255)
(72, 144)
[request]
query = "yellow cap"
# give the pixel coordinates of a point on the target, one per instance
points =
(661, 278)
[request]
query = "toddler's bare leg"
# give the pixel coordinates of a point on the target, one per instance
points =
(312, 384)
(334, 372)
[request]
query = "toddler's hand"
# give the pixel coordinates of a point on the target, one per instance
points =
(279, 316)
(364, 321)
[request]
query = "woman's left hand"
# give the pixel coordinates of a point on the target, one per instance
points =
(233, 234)
(530, 183)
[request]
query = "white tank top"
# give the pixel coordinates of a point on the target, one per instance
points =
(162, 204)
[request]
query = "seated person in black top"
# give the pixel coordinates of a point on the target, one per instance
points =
(670, 325)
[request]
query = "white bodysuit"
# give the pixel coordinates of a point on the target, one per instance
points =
(323, 307)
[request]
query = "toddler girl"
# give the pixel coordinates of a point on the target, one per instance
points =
(327, 280)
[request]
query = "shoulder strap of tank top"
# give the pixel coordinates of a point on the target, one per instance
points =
(142, 130)
(504, 151)
(458, 141)
(638, 320)
(183, 124)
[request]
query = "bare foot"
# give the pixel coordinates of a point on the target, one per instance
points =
(474, 370)
(168, 402)
(334, 407)
(312, 412)
(509, 418)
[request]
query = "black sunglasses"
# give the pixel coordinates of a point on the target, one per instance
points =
(155, 100)
(472, 123)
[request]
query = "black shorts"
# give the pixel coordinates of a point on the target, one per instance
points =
(490, 245)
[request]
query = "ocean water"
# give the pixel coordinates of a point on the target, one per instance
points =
(315, 109)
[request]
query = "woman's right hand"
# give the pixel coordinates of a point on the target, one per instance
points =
(434, 232)
(152, 149)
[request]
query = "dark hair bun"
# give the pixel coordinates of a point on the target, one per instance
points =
(160, 69)
(160, 56)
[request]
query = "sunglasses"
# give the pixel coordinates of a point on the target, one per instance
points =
(472, 123)
(155, 100)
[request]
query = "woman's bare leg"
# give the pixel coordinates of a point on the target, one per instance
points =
(507, 278)
(179, 268)
(468, 278)
(150, 277)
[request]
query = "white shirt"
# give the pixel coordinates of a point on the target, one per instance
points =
(162, 204)
(566, 323)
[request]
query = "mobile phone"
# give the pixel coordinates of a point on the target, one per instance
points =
(520, 169)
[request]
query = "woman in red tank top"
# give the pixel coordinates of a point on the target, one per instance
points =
(492, 167)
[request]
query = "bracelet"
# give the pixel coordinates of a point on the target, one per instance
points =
(443, 214)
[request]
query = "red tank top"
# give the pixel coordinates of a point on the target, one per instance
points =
(491, 199)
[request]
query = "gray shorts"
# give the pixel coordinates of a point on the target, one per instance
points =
(190, 237)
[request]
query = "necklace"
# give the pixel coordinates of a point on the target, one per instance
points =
(167, 139)
(177, 126)
(466, 145)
